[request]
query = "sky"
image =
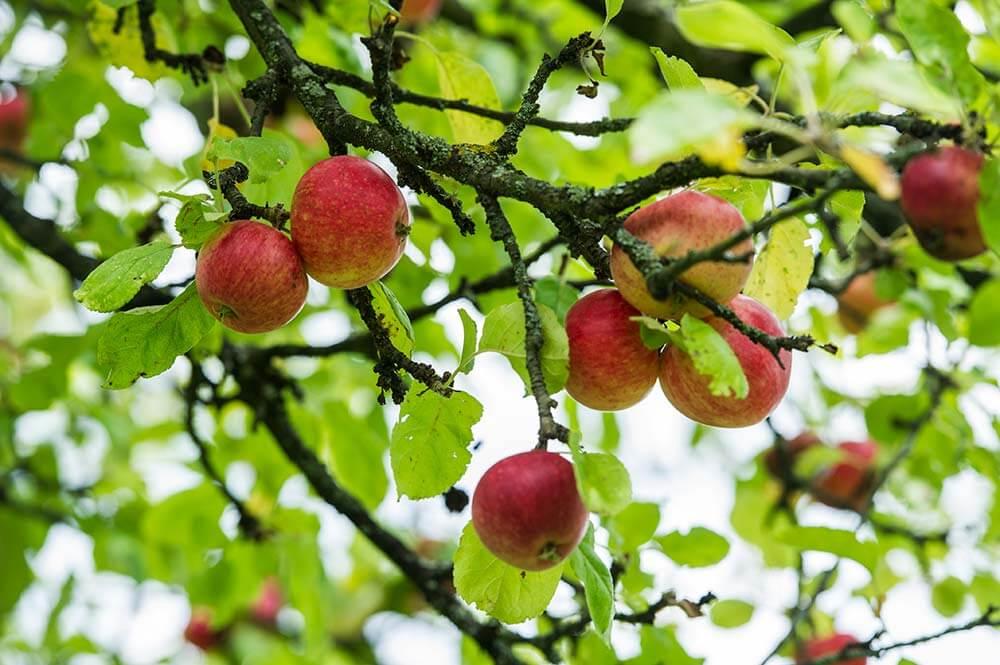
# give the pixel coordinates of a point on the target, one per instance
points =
(143, 623)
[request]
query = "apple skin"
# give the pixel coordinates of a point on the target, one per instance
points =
(781, 466)
(528, 511)
(816, 648)
(250, 277)
(848, 484)
(349, 222)
(419, 12)
(940, 192)
(268, 603)
(858, 302)
(199, 630)
(689, 391)
(609, 366)
(681, 223)
(14, 115)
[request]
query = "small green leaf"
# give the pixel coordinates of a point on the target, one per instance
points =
(611, 10)
(603, 481)
(195, 221)
(632, 527)
(984, 315)
(989, 203)
(731, 613)
(597, 584)
(948, 596)
(557, 295)
(116, 281)
(463, 78)
(264, 156)
(394, 318)
(697, 548)
(712, 357)
(835, 541)
(503, 332)
(781, 272)
(653, 333)
(145, 341)
(497, 588)
(677, 73)
(469, 339)
(732, 26)
(429, 447)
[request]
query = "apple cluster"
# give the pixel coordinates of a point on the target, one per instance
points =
(845, 483)
(611, 368)
(349, 228)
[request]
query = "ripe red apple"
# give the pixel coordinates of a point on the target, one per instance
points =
(940, 192)
(609, 366)
(689, 391)
(14, 113)
(848, 484)
(419, 12)
(528, 511)
(349, 222)
(781, 463)
(681, 223)
(250, 277)
(816, 648)
(199, 630)
(858, 302)
(268, 603)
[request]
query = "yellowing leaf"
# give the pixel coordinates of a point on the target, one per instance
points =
(781, 272)
(217, 130)
(873, 170)
(726, 149)
(462, 78)
(742, 95)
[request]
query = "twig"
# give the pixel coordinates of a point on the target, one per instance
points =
(194, 65)
(228, 179)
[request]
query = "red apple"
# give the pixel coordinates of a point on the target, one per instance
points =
(419, 12)
(858, 302)
(250, 277)
(268, 603)
(848, 484)
(199, 630)
(349, 222)
(14, 113)
(817, 648)
(940, 193)
(781, 463)
(609, 366)
(689, 391)
(528, 511)
(682, 223)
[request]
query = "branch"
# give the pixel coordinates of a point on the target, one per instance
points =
(227, 180)
(801, 610)
(194, 65)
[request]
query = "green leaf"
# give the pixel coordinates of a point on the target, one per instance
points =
(712, 357)
(557, 295)
(503, 332)
(144, 342)
(989, 203)
(985, 588)
(948, 596)
(116, 281)
(20, 537)
(660, 646)
(677, 73)
(611, 10)
(469, 339)
(603, 481)
(887, 416)
(848, 206)
(462, 78)
(632, 527)
(681, 122)
(781, 272)
(984, 315)
(697, 548)
(195, 221)
(429, 447)
(597, 584)
(855, 19)
(732, 26)
(263, 155)
(835, 541)
(394, 318)
(497, 588)
(896, 81)
(731, 613)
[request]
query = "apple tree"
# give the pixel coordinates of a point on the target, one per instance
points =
(554, 330)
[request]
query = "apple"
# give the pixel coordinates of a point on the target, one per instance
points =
(609, 366)
(818, 647)
(250, 277)
(682, 223)
(858, 302)
(528, 511)
(268, 603)
(199, 630)
(14, 114)
(349, 222)
(781, 463)
(940, 194)
(848, 484)
(419, 12)
(689, 391)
